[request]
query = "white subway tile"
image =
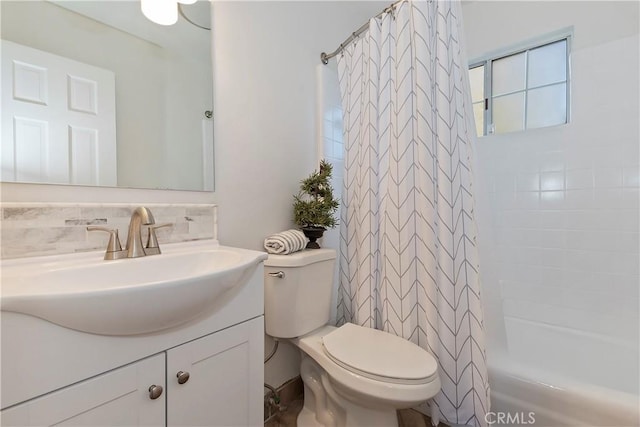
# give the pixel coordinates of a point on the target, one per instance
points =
(604, 219)
(579, 179)
(552, 239)
(612, 263)
(625, 263)
(552, 181)
(528, 182)
(600, 302)
(608, 177)
(627, 242)
(501, 236)
(583, 320)
(578, 240)
(583, 279)
(579, 158)
(578, 199)
(583, 260)
(551, 276)
(552, 161)
(621, 284)
(507, 255)
(521, 237)
(574, 354)
(543, 257)
(631, 177)
(606, 157)
(527, 200)
(505, 183)
(630, 198)
(552, 200)
(552, 219)
(505, 201)
(606, 241)
(507, 272)
(607, 198)
(520, 219)
(627, 220)
(533, 237)
(630, 152)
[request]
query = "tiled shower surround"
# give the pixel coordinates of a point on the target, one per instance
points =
(35, 229)
(559, 230)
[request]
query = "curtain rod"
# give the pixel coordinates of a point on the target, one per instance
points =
(325, 57)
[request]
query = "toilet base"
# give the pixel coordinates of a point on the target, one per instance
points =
(307, 418)
(324, 407)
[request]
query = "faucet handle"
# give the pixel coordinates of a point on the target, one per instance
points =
(114, 248)
(152, 247)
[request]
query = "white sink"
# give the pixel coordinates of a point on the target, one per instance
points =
(127, 296)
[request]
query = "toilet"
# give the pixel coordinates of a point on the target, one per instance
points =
(353, 376)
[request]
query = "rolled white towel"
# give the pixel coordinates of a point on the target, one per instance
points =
(285, 242)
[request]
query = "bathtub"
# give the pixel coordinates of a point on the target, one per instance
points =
(523, 396)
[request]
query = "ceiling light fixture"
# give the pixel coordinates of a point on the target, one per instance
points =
(163, 12)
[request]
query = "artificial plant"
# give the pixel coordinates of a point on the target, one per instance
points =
(314, 206)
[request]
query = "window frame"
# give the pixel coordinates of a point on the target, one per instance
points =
(530, 44)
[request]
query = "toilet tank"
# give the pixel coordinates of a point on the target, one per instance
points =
(299, 300)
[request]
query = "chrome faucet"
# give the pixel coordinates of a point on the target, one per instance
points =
(140, 216)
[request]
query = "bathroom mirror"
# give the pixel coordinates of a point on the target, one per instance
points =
(140, 118)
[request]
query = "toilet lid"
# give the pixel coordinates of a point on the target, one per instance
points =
(379, 355)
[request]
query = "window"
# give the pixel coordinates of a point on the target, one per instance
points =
(521, 90)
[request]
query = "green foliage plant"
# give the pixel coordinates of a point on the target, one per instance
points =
(314, 205)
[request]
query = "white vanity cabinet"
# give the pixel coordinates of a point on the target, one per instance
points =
(220, 384)
(222, 379)
(116, 398)
(57, 375)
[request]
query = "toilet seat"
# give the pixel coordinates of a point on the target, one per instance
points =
(379, 355)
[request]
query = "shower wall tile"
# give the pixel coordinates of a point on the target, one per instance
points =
(559, 222)
(602, 323)
(50, 229)
(574, 354)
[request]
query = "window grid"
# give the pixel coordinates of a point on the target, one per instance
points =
(526, 89)
(488, 85)
(488, 126)
(483, 101)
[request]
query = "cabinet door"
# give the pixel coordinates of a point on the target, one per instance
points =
(226, 372)
(117, 398)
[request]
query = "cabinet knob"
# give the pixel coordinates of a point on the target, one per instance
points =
(183, 377)
(155, 391)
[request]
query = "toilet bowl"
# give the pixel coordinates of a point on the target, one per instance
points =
(352, 375)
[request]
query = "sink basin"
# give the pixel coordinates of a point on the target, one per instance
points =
(128, 296)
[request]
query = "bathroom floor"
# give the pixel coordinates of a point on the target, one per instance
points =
(287, 418)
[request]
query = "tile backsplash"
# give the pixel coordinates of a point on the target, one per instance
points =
(34, 229)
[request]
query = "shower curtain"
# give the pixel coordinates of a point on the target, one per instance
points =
(408, 261)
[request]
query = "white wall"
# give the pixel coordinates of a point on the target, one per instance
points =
(558, 207)
(265, 54)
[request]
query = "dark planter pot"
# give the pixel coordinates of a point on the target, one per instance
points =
(313, 234)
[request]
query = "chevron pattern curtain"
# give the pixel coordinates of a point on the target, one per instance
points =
(408, 262)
